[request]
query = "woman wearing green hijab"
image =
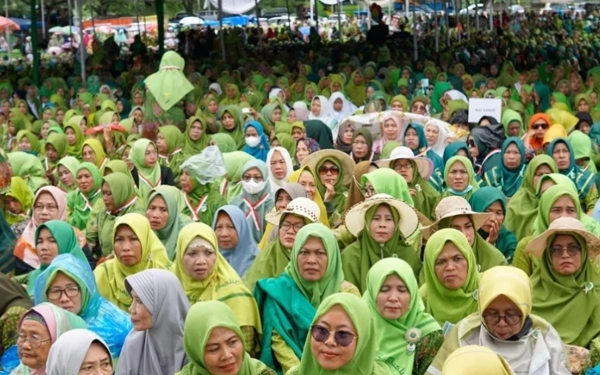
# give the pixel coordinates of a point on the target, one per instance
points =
(18, 200)
(119, 197)
(29, 168)
(169, 143)
(437, 98)
(460, 178)
(81, 202)
(382, 226)
(28, 142)
(356, 91)
(508, 175)
(565, 285)
(195, 138)
(205, 323)
(225, 142)
(408, 337)
(288, 303)
(451, 277)
(166, 228)
(66, 170)
(93, 152)
(231, 123)
(75, 140)
(356, 343)
(55, 150)
(148, 173)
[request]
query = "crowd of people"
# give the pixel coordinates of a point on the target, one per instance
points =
(188, 216)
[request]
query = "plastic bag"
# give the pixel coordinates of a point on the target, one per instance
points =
(207, 166)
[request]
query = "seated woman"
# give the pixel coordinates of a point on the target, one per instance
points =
(79, 351)
(561, 151)
(492, 200)
(236, 244)
(169, 142)
(450, 276)
(136, 248)
(148, 173)
(206, 275)
(342, 339)
(504, 324)
(69, 283)
(288, 302)
(475, 360)
(18, 201)
(539, 123)
(335, 174)
(166, 219)
(14, 302)
(460, 178)
(280, 166)
(66, 170)
(211, 333)
(271, 261)
(55, 150)
(306, 178)
(391, 128)
(408, 337)
(257, 142)
(456, 213)
(414, 138)
(198, 176)
(74, 139)
(196, 137)
(565, 283)
(381, 225)
(508, 175)
(485, 142)
(81, 202)
(38, 330)
(93, 152)
(256, 199)
(120, 198)
(158, 310)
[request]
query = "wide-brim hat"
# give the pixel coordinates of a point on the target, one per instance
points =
(409, 220)
(424, 165)
(455, 206)
(347, 164)
(564, 225)
(303, 207)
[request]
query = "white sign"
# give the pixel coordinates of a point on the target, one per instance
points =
(484, 107)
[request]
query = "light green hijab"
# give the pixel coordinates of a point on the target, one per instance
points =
(391, 334)
(200, 321)
(444, 304)
(71, 164)
(169, 85)
(175, 222)
(150, 177)
(363, 361)
(330, 283)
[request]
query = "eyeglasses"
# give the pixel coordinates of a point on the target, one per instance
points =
(321, 334)
(55, 294)
(334, 170)
(558, 251)
(399, 166)
(247, 178)
(41, 208)
(368, 192)
(34, 341)
(510, 319)
(285, 226)
(542, 125)
(418, 108)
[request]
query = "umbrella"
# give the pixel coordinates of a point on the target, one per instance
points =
(10, 24)
(191, 21)
(68, 30)
(55, 29)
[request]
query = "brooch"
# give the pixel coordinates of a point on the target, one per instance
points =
(412, 337)
(588, 287)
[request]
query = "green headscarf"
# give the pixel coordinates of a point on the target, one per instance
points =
(191, 147)
(150, 177)
(169, 85)
(512, 116)
(439, 90)
(79, 204)
(547, 199)
(175, 222)
(75, 149)
(444, 304)
(224, 142)
(19, 191)
(29, 168)
(288, 142)
(356, 94)
(364, 359)
(175, 156)
(234, 161)
(71, 164)
(391, 334)
(200, 321)
(96, 146)
(237, 133)
(473, 184)
(331, 281)
(387, 181)
(59, 142)
(33, 141)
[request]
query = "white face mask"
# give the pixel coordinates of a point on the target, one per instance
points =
(252, 141)
(253, 186)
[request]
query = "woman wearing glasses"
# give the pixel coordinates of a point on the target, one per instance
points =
(504, 323)
(288, 303)
(534, 140)
(342, 339)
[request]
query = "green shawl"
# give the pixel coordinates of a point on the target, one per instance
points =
(234, 161)
(71, 164)
(237, 133)
(79, 205)
(150, 177)
(59, 142)
(75, 149)
(175, 222)
(169, 85)
(361, 255)
(473, 184)
(175, 156)
(356, 93)
(444, 304)
(225, 142)
(29, 168)
(391, 334)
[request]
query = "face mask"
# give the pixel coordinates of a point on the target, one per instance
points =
(253, 186)
(252, 141)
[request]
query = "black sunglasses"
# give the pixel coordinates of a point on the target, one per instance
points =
(321, 334)
(540, 126)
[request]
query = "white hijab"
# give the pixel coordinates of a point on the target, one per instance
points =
(443, 134)
(347, 107)
(324, 115)
(158, 350)
(275, 183)
(69, 351)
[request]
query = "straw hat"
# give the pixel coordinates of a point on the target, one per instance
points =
(346, 162)
(301, 206)
(424, 165)
(355, 218)
(564, 225)
(455, 206)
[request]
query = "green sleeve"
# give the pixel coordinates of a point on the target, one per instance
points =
(590, 199)
(283, 353)
(521, 259)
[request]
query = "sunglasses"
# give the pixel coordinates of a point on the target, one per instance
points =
(471, 143)
(341, 338)
(542, 125)
(418, 108)
(325, 170)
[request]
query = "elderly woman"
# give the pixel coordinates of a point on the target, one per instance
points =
(289, 302)
(475, 360)
(164, 213)
(158, 310)
(205, 275)
(408, 337)
(450, 275)
(18, 201)
(564, 284)
(504, 324)
(214, 343)
(79, 351)
(342, 339)
(136, 248)
(381, 225)
(459, 177)
(69, 283)
(271, 261)
(508, 175)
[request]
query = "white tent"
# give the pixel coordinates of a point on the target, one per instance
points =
(233, 6)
